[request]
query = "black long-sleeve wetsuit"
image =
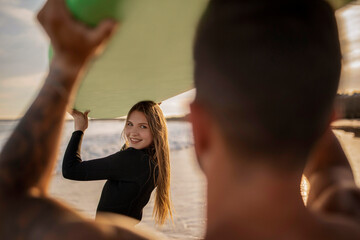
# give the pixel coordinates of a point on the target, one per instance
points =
(129, 174)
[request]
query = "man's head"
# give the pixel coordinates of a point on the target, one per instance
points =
(267, 72)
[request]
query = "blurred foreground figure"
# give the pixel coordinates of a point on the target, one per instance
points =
(27, 159)
(266, 74)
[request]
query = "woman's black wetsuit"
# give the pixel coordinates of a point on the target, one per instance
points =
(129, 174)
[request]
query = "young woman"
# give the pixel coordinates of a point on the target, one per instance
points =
(132, 173)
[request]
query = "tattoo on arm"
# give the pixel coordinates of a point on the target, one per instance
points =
(28, 156)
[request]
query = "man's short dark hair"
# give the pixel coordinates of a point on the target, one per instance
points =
(268, 72)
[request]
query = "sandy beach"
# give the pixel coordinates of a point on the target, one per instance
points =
(188, 185)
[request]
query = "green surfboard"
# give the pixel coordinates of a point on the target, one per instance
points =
(149, 58)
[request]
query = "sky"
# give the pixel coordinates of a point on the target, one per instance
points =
(24, 46)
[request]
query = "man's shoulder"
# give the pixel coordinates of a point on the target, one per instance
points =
(40, 218)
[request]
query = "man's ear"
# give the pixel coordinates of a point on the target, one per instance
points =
(201, 126)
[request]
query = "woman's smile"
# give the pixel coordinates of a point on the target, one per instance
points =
(134, 140)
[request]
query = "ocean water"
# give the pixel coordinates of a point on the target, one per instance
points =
(103, 137)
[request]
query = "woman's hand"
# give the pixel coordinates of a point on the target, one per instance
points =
(80, 120)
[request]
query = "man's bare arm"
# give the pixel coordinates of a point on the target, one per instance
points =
(27, 158)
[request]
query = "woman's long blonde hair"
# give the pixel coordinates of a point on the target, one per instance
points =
(160, 155)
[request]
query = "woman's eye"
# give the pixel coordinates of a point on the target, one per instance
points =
(143, 127)
(129, 124)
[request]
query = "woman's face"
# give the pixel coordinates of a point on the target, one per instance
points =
(137, 131)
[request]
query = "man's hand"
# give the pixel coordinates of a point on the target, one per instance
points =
(74, 43)
(29, 155)
(80, 120)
